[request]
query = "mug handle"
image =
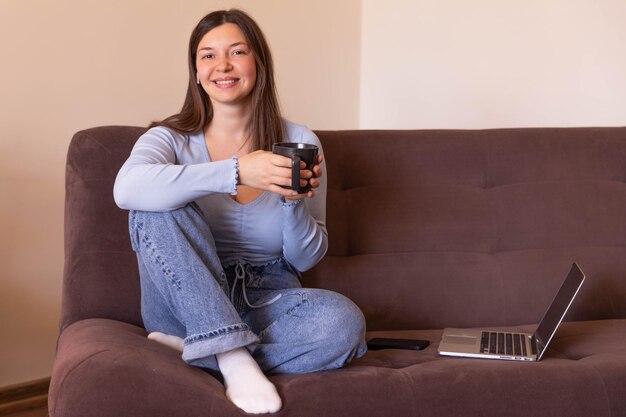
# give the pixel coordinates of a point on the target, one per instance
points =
(295, 172)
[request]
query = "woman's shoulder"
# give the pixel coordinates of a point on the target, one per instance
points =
(165, 139)
(163, 133)
(299, 133)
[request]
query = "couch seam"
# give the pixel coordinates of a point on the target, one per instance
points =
(599, 375)
(407, 377)
(70, 372)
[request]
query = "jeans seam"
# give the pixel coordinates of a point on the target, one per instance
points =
(215, 333)
(134, 230)
(158, 259)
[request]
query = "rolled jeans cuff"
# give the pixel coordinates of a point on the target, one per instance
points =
(199, 348)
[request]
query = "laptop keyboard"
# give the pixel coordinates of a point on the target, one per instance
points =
(500, 343)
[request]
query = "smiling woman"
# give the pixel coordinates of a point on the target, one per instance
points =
(220, 279)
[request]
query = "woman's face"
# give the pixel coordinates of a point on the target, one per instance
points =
(226, 65)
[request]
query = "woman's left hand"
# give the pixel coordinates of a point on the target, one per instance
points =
(312, 176)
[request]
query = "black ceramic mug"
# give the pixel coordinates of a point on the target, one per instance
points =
(297, 152)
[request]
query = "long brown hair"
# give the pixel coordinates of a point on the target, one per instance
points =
(266, 125)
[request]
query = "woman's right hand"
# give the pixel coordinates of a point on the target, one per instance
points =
(266, 171)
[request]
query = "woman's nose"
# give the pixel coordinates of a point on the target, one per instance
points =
(224, 64)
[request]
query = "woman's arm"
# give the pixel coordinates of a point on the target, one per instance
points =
(305, 238)
(152, 178)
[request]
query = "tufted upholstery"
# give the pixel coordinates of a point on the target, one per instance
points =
(420, 224)
(431, 219)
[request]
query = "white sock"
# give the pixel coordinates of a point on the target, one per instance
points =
(246, 385)
(165, 339)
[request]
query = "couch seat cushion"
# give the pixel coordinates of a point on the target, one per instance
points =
(580, 375)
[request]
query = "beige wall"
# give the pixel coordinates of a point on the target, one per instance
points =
(492, 63)
(73, 64)
(67, 65)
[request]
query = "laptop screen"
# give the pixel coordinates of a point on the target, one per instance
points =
(556, 312)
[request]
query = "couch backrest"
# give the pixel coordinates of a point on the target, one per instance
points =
(421, 224)
(100, 276)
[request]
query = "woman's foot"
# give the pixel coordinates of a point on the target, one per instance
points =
(165, 339)
(246, 385)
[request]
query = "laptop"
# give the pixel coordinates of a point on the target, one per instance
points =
(515, 346)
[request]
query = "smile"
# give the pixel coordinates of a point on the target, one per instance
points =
(226, 82)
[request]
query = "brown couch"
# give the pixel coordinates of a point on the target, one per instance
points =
(421, 223)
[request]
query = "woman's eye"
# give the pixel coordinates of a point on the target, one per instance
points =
(239, 52)
(208, 56)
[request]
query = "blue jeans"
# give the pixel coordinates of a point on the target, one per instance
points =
(186, 292)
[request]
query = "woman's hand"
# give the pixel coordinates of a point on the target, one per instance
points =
(312, 180)
(265, 170)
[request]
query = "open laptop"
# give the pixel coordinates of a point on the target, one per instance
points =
(489, 344)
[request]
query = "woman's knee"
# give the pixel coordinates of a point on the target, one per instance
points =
(343, 320)
(315, 330)
(190, 213)
(187, 222)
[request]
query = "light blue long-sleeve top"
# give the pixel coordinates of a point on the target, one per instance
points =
(167, 170)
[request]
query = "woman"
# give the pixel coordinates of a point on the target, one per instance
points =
(220, 244)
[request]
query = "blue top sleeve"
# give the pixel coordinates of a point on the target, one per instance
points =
(162, 174)
(305, 238)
